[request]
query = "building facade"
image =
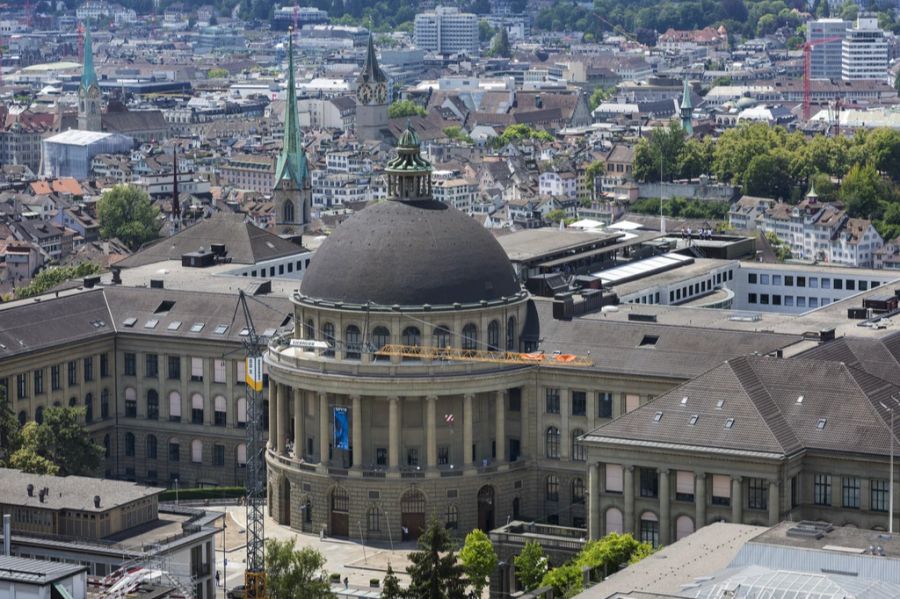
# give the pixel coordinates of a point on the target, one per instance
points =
(864, 51)
(825, 58)
(446, 30)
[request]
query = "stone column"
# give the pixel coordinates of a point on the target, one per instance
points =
(468, 417)
(774, 506)
(431, 430)
(394, 432)
(665, 507)
(628, 524)
(699, 500)
(280, 393)
(737, 500)
(299, 422)
(357, 432)
(323, 428)
(500, 425)
(594, 501)
(273, 411)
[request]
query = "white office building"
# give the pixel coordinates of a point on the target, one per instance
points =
(825, 58)
(864, 52)
(445, 30)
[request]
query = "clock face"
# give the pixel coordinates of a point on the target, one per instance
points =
(364, 93)
(93, 92)
(381, 93)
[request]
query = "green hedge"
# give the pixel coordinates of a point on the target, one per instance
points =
(204, 493)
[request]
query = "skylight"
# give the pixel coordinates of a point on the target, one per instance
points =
(129, 322)
(694, 419)
(684, 400)
(244, 332)
(151, 324)
(174, 325)
(197, 327)
(657, 417)
(821, 423)
(649, 340)
(729, 422)
(221, 328)
(268, 332)
(164, 306)
(799, 399)
(719, 404)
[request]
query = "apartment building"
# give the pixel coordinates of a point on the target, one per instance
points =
(864, 51)
(446, 30)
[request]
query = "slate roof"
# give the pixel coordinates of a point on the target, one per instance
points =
(134, 121)
(69, 492)
(839, 410)
(245, 243)
(34, 571)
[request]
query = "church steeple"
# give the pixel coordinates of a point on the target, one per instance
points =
(687, 109)
(371, 98)
(292, 163)
(371, 72)
(89, 96)
(88, 74)
(409, 175)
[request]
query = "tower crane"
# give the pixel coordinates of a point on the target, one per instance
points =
(807, 65)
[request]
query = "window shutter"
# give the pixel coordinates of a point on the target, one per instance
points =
(242, 454)
(684, 482)
(197, 401)
(197, 367)
(614, 478)
(721, 485)
(174, 404)
(632, 402)
(242, 409)
(614, 520)
(220, 403)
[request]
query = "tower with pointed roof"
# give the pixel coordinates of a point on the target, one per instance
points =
(687, 109)
(292, 193)
(371, 98)
(89, 97)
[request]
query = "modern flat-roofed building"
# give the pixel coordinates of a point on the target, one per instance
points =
(864, 51)
(446, 30)
(69, 154)
(825, 58)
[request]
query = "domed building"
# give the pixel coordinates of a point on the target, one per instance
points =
(386, 441)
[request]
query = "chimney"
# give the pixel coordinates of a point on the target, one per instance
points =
(7, 533)
(117, 276)
(96, 501)
(30, 489)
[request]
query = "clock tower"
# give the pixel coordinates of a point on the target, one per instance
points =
(371, 99)
(89, 97)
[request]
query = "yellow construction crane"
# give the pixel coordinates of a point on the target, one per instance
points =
(453, 354)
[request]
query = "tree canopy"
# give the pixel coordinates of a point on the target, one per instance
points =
(57, 445)
(295, 573)
(402, 108)
(479, 559)
(434, 571)
(125, 212)
(531, 565)
(51, 277)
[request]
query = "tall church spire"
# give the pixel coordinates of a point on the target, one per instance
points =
(687, 109)
(89, 96)
(292, 160)
(371, 72)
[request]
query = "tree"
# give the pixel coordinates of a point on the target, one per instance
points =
(51, 277)
(500, 46)
(63, 440)
(479, 559)
(9, 429)
(567, 581)
(897, 81)
(390, 587)
(402, 108)
(485, 31)
(457, 133)
(599, 95)
(862, 191)
(531, 565)
(766, 176)
(434, 571)
(293, 573)
(217, 73)
(125, 212)
(659, 152)
(882, 148)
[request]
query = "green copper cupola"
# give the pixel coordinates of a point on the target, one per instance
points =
(409, 175)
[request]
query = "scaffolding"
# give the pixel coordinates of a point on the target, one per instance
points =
(455, 354)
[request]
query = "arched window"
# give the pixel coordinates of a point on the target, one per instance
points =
(39, 415)
(242, 455)
(552, 488)
(451, 519)
(104, 404)
(328, 337)
(511, 334)
(107, 446)
(23, 418)
(309, 329)
(441, 337)
(130, 402)
(352, 342)
(411, 336)
(649, 530)
(470, 337)
(89, 408)
(129, 445)
(242, 412)
(493, 335)
(614, 521)
(197, 451)
(219, 404)
(684, 526)
(287, 212)
(380, 337)
(552, 442)
(152, 405)
(579, 451)
(340, 500)
(197, 408)
(412, 502)
(175, 406)
(577, 490)
(151, 447)
(373, 522)
(73, 401)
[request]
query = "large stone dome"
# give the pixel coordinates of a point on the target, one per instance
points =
(410, 253)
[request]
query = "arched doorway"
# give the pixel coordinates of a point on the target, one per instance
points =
(285, 503)
(486, 508)
(340, 513)
(412, 513)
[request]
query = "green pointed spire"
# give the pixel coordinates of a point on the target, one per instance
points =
(686, 101)
(292, 160)
(88, 75)
(687, 109)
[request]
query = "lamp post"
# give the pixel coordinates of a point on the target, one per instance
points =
(176, 490)
(224, 557)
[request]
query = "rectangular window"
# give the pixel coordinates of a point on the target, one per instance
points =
(412, 456)
(763, 279)
(880, 493)
(684, 485)
(54, 378)
(130, 404)
(604, 404)
(443, 456)
(174, 367)
(839, 283)
(776, 279)
(822, 489)
(813, 302)
(851, 285)
(649, 482)
(850, 492)
(515, 399)
(801, 281)
(579, 403)
(776, 300)
(650, 531)
(826, 283)
(219, 371)
(152, 361)
(381, 455)
(751, 298)
(751, 278)
(789, 300)
(788, 280)
(801, 301)
(73, 373)
(196, 452)
(632, 402)
(757, 494)
(218, 455)
(88, 369)
(197, 369)
(863, 285)
(174, 452)
(814, 282)
(39, 381)
(721, 491)
(130, 364)
(104, 365)
(553, 401)
(614, 478)
(241, 378)
(764, 298)
(795, 491)
(21, 386)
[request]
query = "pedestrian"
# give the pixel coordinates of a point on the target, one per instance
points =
(346, 582)
(404, 533)
(218, 578)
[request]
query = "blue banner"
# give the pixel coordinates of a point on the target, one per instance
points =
(341, 428)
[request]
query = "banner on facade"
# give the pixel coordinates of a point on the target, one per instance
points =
(341, 427)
